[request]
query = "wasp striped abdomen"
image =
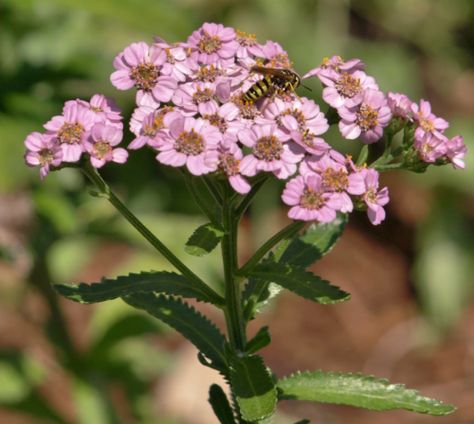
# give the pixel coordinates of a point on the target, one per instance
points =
(259, 89)
(274, 81)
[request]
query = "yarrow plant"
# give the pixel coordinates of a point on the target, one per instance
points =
(191, 113)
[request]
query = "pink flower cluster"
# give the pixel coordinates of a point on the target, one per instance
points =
(93, 128)
(365, 111)
(430, 142)
(190, 112)
(362, 107)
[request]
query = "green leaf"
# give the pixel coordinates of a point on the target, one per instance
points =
(186, 320)
(299, 281)
(314, 243)
(204, 240)
(111, 288)
(357, 390)
(259, 341)
(220, 405)
(253, 387)
(257, 293)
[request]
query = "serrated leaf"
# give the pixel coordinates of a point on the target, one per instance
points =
(259, 341)
(220, 405)
(112, 288)
(299, 281)
(204, 240)
(357, 390)
(314, 243)
(253, 387)
(186, 320)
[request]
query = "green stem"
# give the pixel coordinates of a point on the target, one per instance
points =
(288, 231)
(233, 310)
(105, 191)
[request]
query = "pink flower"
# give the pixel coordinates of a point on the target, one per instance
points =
(300, 114)
(270, 152)
(194, 97)
(330, 67)
(248, 45)
(101, 145)
(456, 150)
(105, 110)
(336, 179)
(367, 119)
(374, 198)
(428, 123)
(71, 129)
(308, 199)
(147, 123)
(225, 118)
(191, 142)
(139, 65)
(178, 65)
(230, 156)
(310, 142)
(347, 89)
(276, 56)
(431, 147)
(212, 43)
(43, 151)
(399, 104)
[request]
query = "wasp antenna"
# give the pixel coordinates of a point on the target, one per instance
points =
(305, 86)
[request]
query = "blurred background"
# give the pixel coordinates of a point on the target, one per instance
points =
(411, 316)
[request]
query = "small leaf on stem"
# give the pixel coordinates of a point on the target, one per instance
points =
(204, 239)
(253, 387)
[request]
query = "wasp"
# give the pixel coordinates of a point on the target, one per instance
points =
(274, 81)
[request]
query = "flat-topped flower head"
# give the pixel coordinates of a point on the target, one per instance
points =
(347, 89)
(139, 66)
(101, 143)
(212, 43)
(367, 119)
(308, 199)
(270, 151)
(42, 150)
(374, 198)
(71, 129)
(428, 123)
(191, 142)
